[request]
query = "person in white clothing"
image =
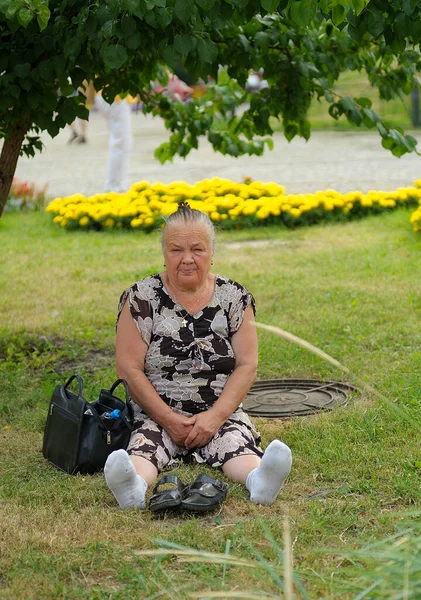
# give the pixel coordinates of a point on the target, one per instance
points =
(118, 115)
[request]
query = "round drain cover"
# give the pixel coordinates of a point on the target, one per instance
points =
(279, 398)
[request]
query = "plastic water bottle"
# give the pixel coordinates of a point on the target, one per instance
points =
(114, 414)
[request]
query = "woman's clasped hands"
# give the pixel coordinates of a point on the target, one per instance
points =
(195, 431)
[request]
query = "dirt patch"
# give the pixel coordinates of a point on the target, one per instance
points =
(54, 354)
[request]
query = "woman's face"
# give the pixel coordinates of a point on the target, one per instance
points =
(188, 255)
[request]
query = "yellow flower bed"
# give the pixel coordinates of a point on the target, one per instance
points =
(416, 215)
(230, 204)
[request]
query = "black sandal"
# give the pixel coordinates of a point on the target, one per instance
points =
(206, 493)
(167, 499)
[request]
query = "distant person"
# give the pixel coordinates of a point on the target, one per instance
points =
(79, 127)
(78, 130)
(119, 119)
(255, 82)
(175, 88)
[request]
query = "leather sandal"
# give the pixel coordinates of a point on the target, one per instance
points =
(167, 499)
(205, 494)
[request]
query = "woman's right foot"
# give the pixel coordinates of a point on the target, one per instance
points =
(128, 487)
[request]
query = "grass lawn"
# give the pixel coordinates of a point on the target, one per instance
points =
(352, 500)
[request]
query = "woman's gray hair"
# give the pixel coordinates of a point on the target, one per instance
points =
(184, 215)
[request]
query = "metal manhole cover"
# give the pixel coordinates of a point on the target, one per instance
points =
(279, 398)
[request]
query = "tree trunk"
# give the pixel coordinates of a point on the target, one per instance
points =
(8, 160)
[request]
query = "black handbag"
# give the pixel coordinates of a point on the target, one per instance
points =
(79, 435)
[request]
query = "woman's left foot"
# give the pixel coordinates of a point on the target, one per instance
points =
(265, 482)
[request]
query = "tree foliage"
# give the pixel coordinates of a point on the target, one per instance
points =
(302, 45)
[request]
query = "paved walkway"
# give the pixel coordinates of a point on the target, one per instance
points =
(340, 161)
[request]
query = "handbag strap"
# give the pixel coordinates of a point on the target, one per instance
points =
(126, 388)
(79, 380)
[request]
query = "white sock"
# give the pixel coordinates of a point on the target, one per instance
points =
(128, 487)
(265, 482)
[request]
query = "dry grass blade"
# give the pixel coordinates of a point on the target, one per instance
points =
(288, 574)
(239, 595)
(290, 337)
(197, 556)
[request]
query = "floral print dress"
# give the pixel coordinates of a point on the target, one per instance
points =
(189, 357)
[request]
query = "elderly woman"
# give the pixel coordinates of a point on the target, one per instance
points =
(188, 349)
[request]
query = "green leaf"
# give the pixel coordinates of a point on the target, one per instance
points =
(381, 129)
(207, 50)
(290, 131)
(402, 25)
(150, 18)
(34, 99)
(49, 101)
(14, 90)
(135, 7)
(352, 113)
(4, 5)
(22, 70)
(128, 26)
(107, 29)
(66, 90)
(413, 142)
(375, 23)
(45, 69)
(26, 84)
(416, 31)
(262, 39)
(409, 6)
(303, 11)
(305, 129)
(151, 4)
(164, 17)
(113, 4)
(370, 117)
(134, 40)
(364, 102)
(59, 64)
(215, 138)
(43, 16)
(163, 153)
(171, 57)
(338, 14)
(269, 143)
(206, 4)
(303, 69)
(184, 9)
(183, 43)
(114, 56)
(357, 5)
(25, 16)
(11, 10)
(270, 5)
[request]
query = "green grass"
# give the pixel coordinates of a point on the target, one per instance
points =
(351, 289)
